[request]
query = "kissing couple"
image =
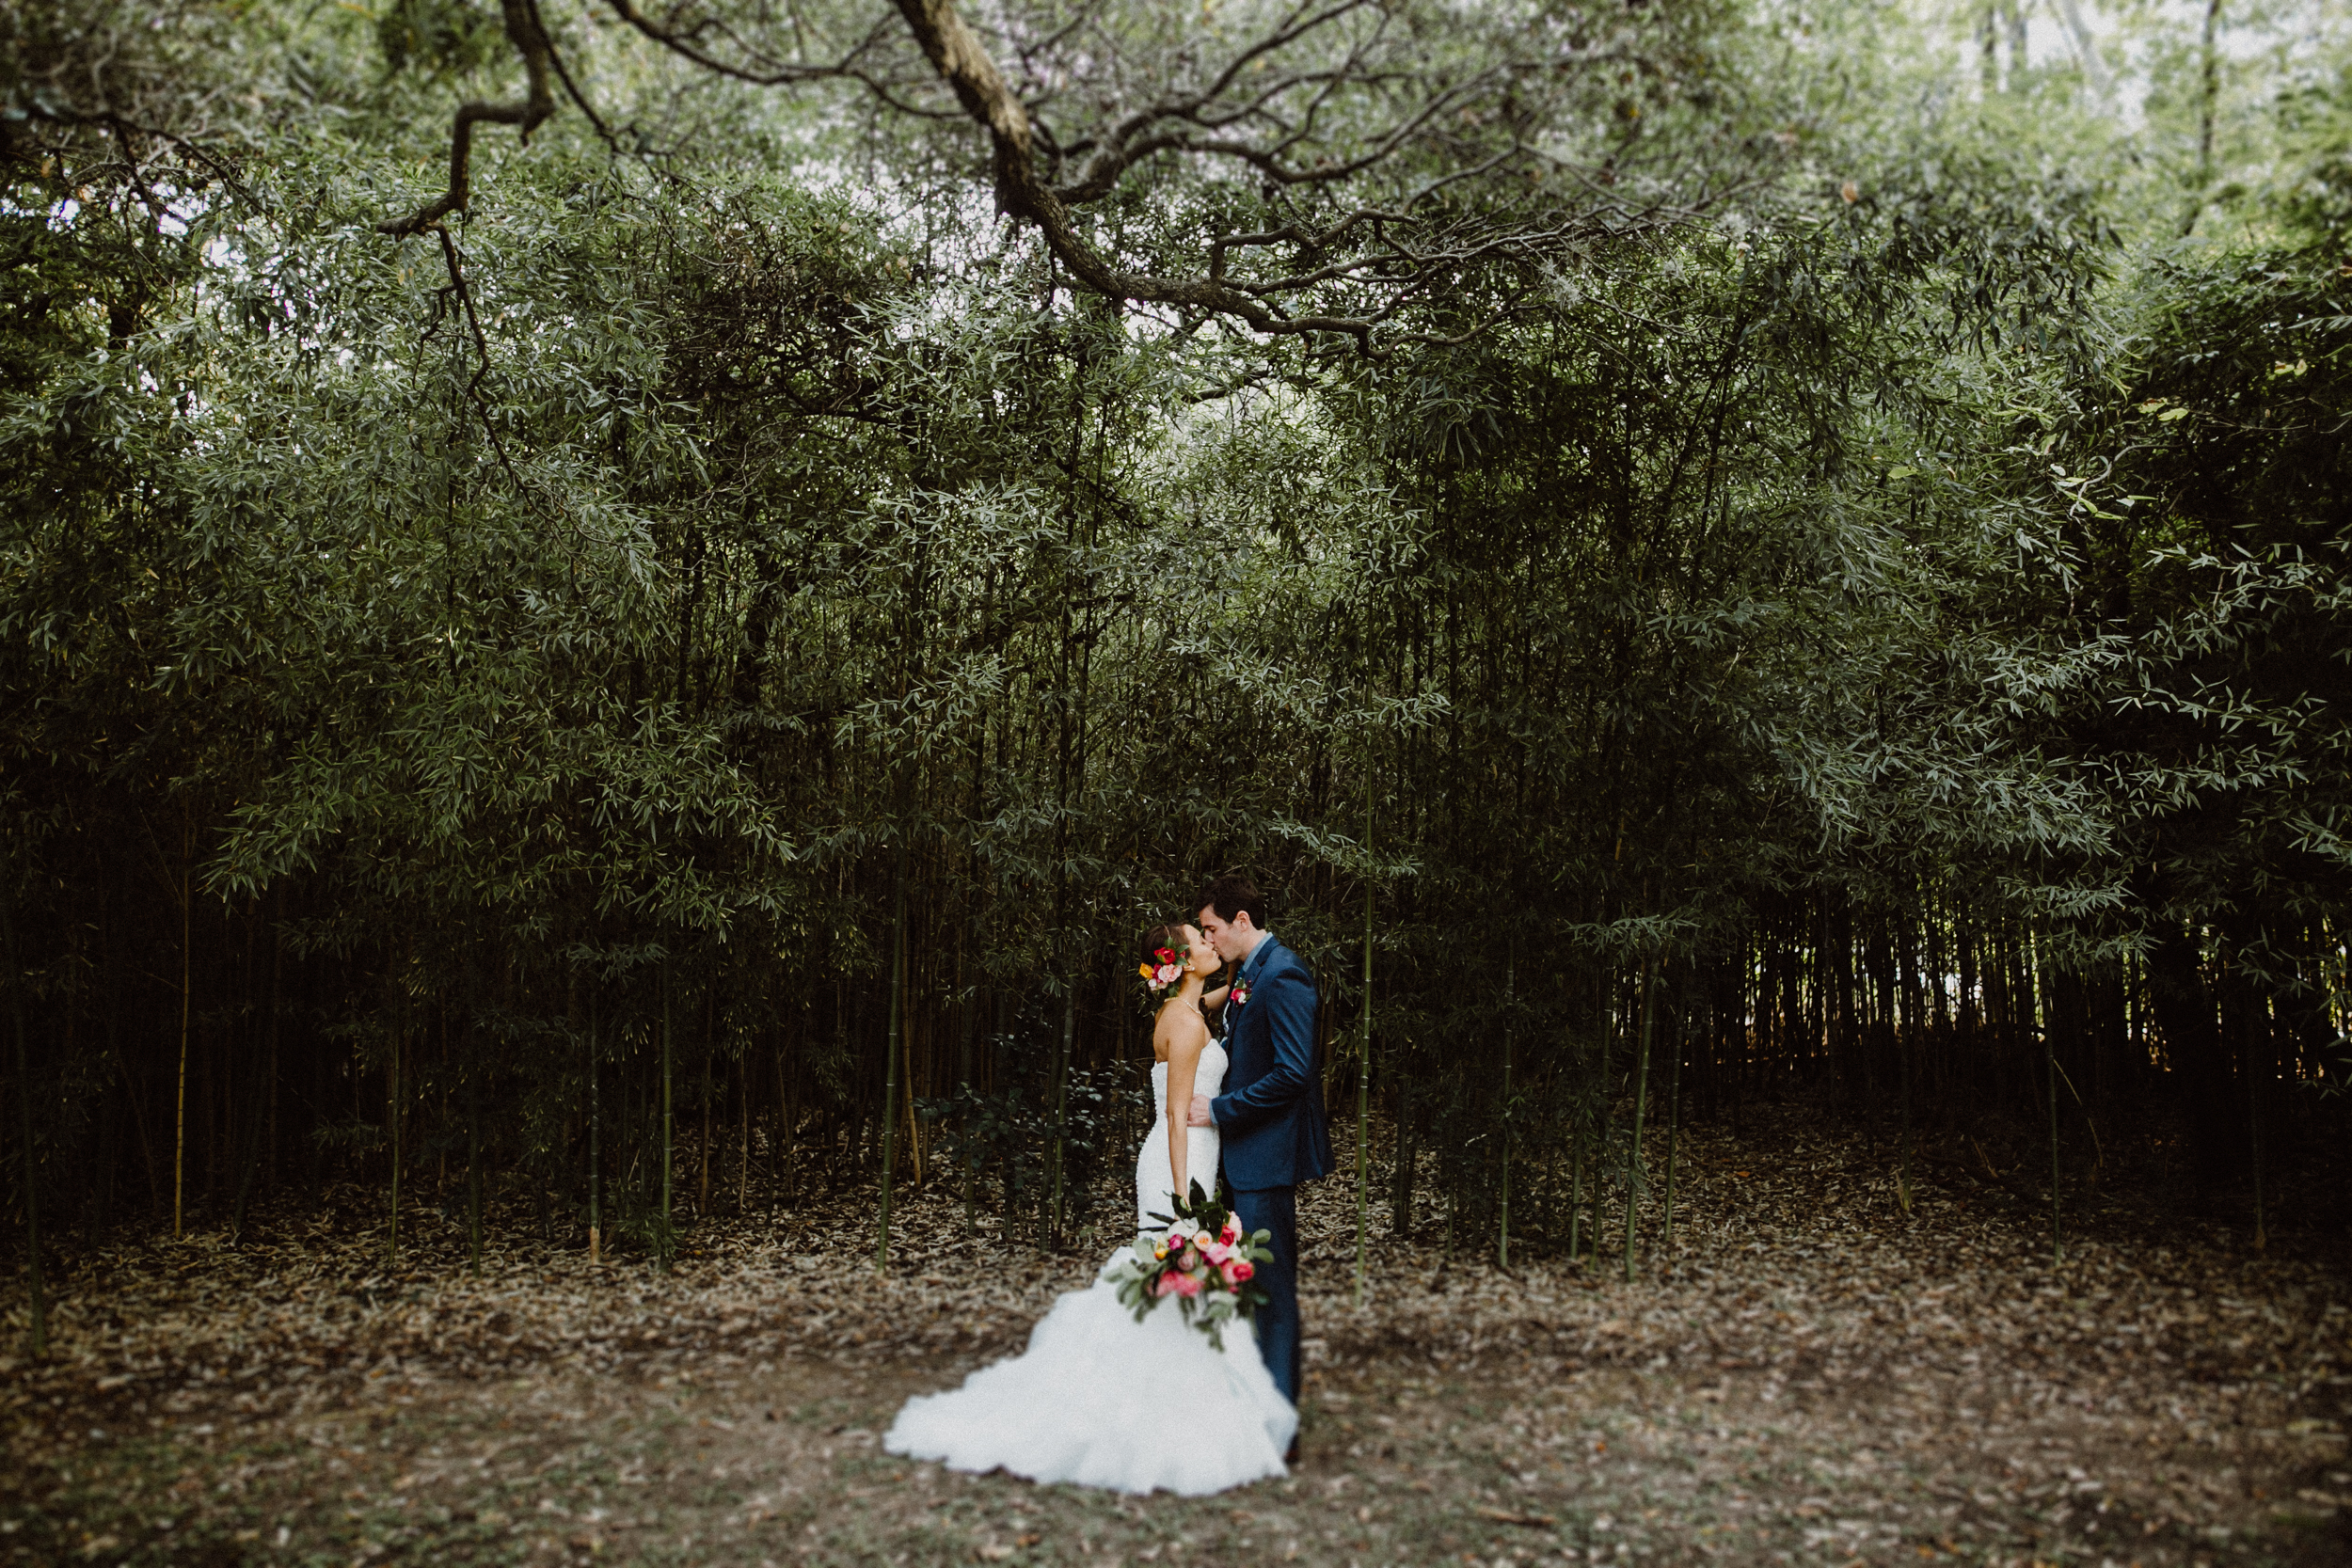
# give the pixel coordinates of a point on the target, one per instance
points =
(1134, 1400)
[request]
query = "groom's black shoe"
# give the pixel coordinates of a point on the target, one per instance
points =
(1291, 1458)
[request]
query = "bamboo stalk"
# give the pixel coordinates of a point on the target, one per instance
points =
(890, 1051)
(662, 1250)
(180, 1113)
(783, 1131)
(2049, 1058)
(906, 1097)
(1401, 1177)
(711, 1034)
(2256, 1066)
(595, 1164)
(39, 1337)
(391, 1129)
(1641, 1104)
(2208, 95)
(968, 1152)
(1061, 1108)
(1363, 1075)
(1503, 1224)
(1902, 1168)
(474, 1166)
(1576, 1180)
(2058, 1243)
(1674, 1122)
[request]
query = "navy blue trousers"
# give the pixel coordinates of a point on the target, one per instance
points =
(1275, 1210)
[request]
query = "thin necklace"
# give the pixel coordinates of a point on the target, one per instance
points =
(1197, 1011)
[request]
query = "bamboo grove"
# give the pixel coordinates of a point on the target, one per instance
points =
(678, 695)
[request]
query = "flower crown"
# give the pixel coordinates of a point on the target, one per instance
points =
(1165, 973)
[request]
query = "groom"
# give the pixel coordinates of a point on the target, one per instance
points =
(1270, 1118)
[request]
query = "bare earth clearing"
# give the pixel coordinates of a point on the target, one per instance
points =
(1814, 1379)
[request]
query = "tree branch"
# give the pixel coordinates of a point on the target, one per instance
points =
(1369, 108)
(957, 55)
(571, 90)
(531, 42)
(772, 72)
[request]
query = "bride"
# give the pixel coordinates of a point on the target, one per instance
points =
(1089, 1401)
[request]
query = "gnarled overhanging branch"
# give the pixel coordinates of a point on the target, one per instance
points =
(529, 40)
(1275, 116)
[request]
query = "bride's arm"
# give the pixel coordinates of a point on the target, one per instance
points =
(1186, 1040)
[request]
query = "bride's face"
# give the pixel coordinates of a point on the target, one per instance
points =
(1202, 958)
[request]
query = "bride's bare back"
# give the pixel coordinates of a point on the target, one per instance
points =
(1179, 1035)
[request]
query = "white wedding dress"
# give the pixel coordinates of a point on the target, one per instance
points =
(1100, 1400)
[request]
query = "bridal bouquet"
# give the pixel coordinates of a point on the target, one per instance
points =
(1202, 1259)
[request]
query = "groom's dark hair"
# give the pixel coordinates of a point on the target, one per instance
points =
(1233, 895)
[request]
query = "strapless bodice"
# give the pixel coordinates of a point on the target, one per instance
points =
(1154, 1173)
(1208, 1078)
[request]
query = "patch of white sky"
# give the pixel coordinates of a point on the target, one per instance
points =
(220, 254)
(2118, 49)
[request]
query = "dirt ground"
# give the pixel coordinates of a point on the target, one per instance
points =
(1807, 1376)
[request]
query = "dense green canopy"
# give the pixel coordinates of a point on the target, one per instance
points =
(1760, 545)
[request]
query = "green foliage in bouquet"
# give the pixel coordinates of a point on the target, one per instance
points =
(1202, 1259)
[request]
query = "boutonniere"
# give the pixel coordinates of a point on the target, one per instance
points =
(1241, 993)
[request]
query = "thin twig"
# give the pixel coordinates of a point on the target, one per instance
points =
(481, 348)
(570, 89)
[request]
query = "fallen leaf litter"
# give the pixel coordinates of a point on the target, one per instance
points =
(1806, 1378)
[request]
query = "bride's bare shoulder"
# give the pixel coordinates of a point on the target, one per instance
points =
(1178, 1031)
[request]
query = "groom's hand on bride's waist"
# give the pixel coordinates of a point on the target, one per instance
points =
(1199, 1115)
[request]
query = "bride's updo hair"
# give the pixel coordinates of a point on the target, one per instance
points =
(1170, 937)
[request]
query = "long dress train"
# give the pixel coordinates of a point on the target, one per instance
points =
(1100, 1400)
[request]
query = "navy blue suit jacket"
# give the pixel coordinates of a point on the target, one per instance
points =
(1270, 1117)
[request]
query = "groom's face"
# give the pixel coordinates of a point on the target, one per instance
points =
(1230, 938)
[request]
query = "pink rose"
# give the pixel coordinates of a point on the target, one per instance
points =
(1232, 1230)
(1186, 1286)
(1216, 1252)
(1239, 1271)
(1169, 1284)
